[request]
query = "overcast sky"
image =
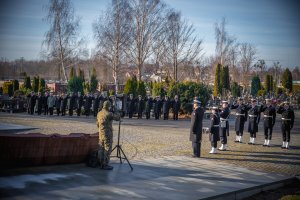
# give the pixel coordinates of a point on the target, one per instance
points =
(273, 26)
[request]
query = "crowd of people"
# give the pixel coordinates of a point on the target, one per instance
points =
(219, 128)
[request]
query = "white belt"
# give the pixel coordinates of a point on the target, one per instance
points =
(286, 119)
(216, 125)
(252, 115)
(222, 119)
(240, 114)
(267, 116)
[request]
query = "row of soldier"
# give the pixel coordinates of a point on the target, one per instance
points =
(219, 129)
(93, 104)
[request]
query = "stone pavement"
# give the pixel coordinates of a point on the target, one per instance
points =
(8, 128)
(170, 177)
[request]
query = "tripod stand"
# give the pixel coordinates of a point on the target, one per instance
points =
(120, 153)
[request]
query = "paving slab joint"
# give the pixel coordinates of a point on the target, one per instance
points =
(244, 193)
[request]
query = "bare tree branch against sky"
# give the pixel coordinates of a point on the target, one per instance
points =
(271, 25)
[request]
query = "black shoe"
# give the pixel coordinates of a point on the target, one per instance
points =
(282, 147)
(236, 141)
(107, 167)
(250, 143)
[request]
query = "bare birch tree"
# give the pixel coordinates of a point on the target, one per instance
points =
(247, 56)
(112, 32)
(183, 46)
(62, 39)
(224, 43)
(146, 24)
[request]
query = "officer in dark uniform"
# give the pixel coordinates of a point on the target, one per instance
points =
(175, 107)
(287, 123)
(39, 103)
(196, 127)
(241, 118)
(224, 124)
(269, 120)
(96, 102)
(214, 129)
(148, 106)
(45, 103)
(72, 103)
(157, 107)
(87, 104)
(79, 103)
(131, 105)
(254, 118)
(166, 107)
(140, 107)
(58, 101)
(31, 101)
(64, 103)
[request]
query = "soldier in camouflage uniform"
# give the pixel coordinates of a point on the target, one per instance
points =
(104, 123)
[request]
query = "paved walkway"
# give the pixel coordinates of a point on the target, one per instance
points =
(171, 177)
(9, 128)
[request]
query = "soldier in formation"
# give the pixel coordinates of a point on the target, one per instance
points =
(269, 116)
(224, 125)
(214, 129)
(240, 119)
(254, 118)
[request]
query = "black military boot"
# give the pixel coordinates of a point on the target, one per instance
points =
(107, 167)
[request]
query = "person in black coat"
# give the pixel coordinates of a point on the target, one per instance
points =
(214, 129)
(31, 102)
(45, 103)
(166, 107)
(58, 101)
(254, 118)
(131, 105)
(196, 127)
(79, 102)
(39, 103)
(157, 107)
(63, 105)
(287, 123)
(96, 102)
(224, 124)
(241, 118)
(175, 107)
(72, 103)
(148, 106)
(87, 104)
(269, 120)
(140, 107)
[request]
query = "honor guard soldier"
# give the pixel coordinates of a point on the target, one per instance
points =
(79, 102)
(148, 106)
(176, 107)
(240, 119)
(140, 107)
(214, 129)
(254, 118)
(131, 106)
(269, 120)
(224, 124)
(196, 127)
(287, 123)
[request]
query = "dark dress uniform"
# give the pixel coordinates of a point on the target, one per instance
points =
(58, 101)
(72, 104)
(148, 107)
(254, 118)
(131, 107)
(157, 108)
(241, 118)
(31, 104)
(63, 106)
(38, 104)
(175, 107)
(79, 102)
(140, 108)
(87, 105)
(214, 136)
(287, 122)
(269, 120)
(196, 130)
(96, 102)
(45, 104)
(166, 108)
(224, 115)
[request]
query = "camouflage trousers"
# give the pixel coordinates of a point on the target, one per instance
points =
(105, 147)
